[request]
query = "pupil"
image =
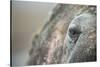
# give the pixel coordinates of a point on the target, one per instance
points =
(73, 32)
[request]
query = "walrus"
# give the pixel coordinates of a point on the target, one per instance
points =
(69, 36)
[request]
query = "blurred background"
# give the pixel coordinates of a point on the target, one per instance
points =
(28, 18)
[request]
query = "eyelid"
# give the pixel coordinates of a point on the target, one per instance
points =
(74, 33)
(74, 28)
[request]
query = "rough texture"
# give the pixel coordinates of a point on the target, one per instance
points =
(50, 46)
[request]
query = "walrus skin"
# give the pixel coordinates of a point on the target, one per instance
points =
(83, 49)
(69, 36)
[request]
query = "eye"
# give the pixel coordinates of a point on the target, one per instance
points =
(74, 32)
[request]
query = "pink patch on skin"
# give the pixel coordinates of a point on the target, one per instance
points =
(56, 36)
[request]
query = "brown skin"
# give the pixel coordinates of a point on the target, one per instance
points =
(52, 45)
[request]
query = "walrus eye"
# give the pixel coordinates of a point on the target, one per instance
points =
(74, 32)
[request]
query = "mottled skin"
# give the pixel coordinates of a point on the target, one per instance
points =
(69, 36)
(83, 49)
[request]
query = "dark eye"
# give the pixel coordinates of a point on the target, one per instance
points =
(74, 32)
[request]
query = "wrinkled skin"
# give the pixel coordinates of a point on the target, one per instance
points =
(82, 43)
(68, 37)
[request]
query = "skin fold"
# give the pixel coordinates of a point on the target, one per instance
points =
(69, 36)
